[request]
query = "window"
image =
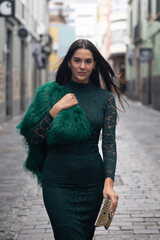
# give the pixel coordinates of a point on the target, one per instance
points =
(118, 36)
(35, 25)
(158, 7)
(85, 15)
(137, 28)
(139, 12)
(158, 10)
(23, 11)
(131, 19)
(59, 3)
(117, 5)
(149, 9)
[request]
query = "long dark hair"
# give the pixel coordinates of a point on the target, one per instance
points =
(102, 76)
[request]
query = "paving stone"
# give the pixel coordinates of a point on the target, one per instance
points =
(125, 223)
(24, 237)
(42, 236)
(108, 237)
(151, 215)
(136, 237)
(110, 232)
(132, 227)
(42, 226)
(32, 231)
(148, 231)
(154, 237)
(49, 230)
(151, 219)
(157, 215)
(153, 227)
(28, 226)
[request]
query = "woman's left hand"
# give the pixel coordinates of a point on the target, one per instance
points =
(108, 191)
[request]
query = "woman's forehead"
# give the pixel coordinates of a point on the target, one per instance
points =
(83, 53)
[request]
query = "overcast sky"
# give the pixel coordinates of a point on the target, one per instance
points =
(84, 1)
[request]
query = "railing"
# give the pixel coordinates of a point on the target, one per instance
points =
(149, 8)
(158, 7)
(158, 11)
(137, 33)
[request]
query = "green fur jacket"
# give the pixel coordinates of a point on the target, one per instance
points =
(70, 125)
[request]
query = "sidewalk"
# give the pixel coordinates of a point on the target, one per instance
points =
(22, 213)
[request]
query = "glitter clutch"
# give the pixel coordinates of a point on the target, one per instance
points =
(104, 217)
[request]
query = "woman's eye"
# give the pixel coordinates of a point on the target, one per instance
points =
(76, 60)
(88, 61)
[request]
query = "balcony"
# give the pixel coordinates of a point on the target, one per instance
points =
(137, 33)
(158, 11)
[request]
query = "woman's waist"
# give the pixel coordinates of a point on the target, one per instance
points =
(74, 173)
(81, 147)
(74, 165)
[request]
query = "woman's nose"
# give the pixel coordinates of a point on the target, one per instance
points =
(82, 65)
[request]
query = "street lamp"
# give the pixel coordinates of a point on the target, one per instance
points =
(23, 32)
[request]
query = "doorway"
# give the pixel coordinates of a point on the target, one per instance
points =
(22, 86)
(150, 83)
(9, 97)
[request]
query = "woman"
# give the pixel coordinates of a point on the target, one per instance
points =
(75, 179)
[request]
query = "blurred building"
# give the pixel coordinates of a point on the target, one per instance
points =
(85, 20)
(24, 49)
(81, 15)
(61, 31)
(102, 27)
(143, 55)
(116, 36)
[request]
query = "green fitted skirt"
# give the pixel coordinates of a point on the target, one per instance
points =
(73, 211)
(73, 178)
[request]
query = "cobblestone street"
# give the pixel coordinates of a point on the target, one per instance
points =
(22, 213)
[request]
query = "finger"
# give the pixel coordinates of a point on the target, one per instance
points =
(114, 198)
(104, 194)
(74, 104)
(113, 207)
(69, 95)
(113, 210)
(72, 94)
(74, 101)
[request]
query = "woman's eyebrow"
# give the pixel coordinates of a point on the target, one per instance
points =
(80, 58)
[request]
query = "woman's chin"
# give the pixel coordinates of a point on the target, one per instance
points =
(81, 80)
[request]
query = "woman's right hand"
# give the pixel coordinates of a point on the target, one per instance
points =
(68, 101)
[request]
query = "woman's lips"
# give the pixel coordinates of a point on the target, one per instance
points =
(81, 73)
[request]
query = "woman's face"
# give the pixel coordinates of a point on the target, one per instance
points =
(82, 64)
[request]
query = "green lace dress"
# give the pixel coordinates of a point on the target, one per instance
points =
(73, 174)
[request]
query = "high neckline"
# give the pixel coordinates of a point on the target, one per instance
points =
(77, 85)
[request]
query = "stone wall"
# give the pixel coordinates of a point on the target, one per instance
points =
(130, 88)
(156, 92)
(2, 82)
(16, 83)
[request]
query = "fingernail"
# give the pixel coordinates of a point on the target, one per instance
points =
(112, 213)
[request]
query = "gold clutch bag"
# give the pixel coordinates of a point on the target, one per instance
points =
(104, 217)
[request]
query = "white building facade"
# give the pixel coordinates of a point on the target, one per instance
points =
(118, 37)
(82, 15)
(86, 20)
(118, 26)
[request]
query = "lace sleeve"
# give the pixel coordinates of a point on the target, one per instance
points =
(108, 139)
(38, 133)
